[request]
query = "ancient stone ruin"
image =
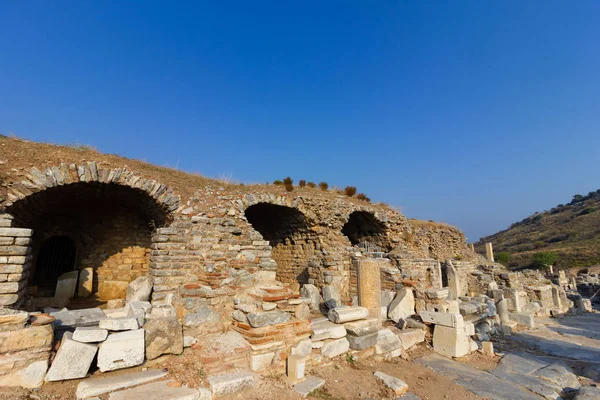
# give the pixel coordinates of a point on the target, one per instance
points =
(103, 267)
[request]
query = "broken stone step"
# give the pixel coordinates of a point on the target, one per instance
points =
(311, 384)
(362, 342)
(396, 384)
(90, 334)
(73, 359)
(97, 386)
(122, 350)
(161, 391)
(230, 383)
(339, 315)
(364, 327)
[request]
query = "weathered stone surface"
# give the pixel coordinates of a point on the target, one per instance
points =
(362, 342)
(339, 315)
(363, 327)
(73, 359)
(302, 311)
(230, 383)
(163, 336)
(396, 384)
(203, 314)
(66, 285)
(115, 303)
(369, 286)
(138, 310)
(90, 334)
(258, 320)
(86, 281)
(560, 375)
(438, 293)
(97, 386)
(524, 319)
(189, 341)
(29, 377)
(588, 393)
(311, 384)
(502, 309)
(451, 342)
(119, 324)
(122, 350)
(386, 341)
(261, 361)
(26, 338)
(160, 391)
(312, 292)
(445, 319)
(303, 348)
(296, 367)
(335, 348)
(324, 329)
(403, 305)
(331, 296)
(75, 318)
(41, 319)
(410, 337)
(139, 289)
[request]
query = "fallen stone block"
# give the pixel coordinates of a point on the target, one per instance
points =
(410, 337)
(438, 293)
(72, 361)
(163, 336)
(138, 310)
(119, 324)
(402, 306)
(75, 318)
(97, 386)
(362, 342)
(311, 384)
(90, 334)
(523, 319)
(451, 342)
(230, 383)
(122, 350)
(445, 319)
(29, 377)
(312, 292)
(86, 281)
(335, 348)
(161, 391)
(66, 285)
(387, 296)
(396, 384)
(386, 341)
(261, 361)
(139, 289)
(468, 308)
(331, 297)
(258, 320)
(488, 348)
(324, 329)
(363, 327)
(339, 315)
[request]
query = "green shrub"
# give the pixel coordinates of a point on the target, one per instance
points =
(277, 182)
(587, 211)
(311, 185)
(503, 257)
(350, 191)
(301, 183)
(289, 187)
(543, 260)
(288, 181)
(323, 185)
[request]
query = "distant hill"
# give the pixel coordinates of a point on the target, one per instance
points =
(571, 231)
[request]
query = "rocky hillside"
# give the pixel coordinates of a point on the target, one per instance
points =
(571, 231)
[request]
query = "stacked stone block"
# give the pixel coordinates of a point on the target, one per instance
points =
(15, 265)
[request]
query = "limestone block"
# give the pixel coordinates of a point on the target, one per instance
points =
(115, 303)
(302, 311)
(90, 334)
(559, 374)
(335, 348)
(397, 385)
(446, 319)
(66, 285)
(138, 310)
(72, 361)
(441, 294)
(29, 377)
(324, 329)
(387, 296)
(163, 336)
(33, 337)
(362, 342)
(339, 315)
(261, 361)
(451, 342)
(139, 289)
(502, 309)
(230, 383)
(363, 327)
(524, 319)
(466, 308)
(122, 350)
(161, 391)
(203, 314)
(312, 292)
(588, 393)
(110, 289)
(311, 384)
(296, 367)
(86, 281)
(488, 348)
(11, 320)
(98, 386)
(258, 320)
(303, 348)
(410, 337)
(369, 286)
(119, 324)
(386, 341)
(163, 310)
(331, 296)
(403, 305)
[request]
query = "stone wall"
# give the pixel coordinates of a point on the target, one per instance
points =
(15, 263)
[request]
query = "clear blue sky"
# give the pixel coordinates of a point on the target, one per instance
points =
(470, 112)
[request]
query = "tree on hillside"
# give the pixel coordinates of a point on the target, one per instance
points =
(543, 260)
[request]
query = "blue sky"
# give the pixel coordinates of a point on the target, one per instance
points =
(469, 112)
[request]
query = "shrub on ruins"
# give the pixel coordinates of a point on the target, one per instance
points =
(289, 184)
(311, 185)
(363, 197)
(503, 257)
(543, 260)
(289, 188)
(323, 185)
(301, 183)
(350, 191)
(277, 182)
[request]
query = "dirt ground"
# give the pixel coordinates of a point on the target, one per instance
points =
(344, 380)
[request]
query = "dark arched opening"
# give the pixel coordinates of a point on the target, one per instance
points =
(294, 244)
(56, 256)
(363, 227)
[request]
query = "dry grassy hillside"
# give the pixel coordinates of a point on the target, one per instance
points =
(571, 231)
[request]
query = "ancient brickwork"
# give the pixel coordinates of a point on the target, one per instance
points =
(15, 263)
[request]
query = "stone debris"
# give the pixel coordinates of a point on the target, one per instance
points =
(387, 342)
(97, 386)
(363, 327)
(30, 377)
(72, 361)
(340, 315)
(119, 324)
(410, 337)
(331, 296)
(488, 348)
(311, 292)
(75, 318)
(122, 350)
(90, 334)
(138, 310)
(229, 383)
(66, 285)
(296, 367)
(261, 319)
(139, 289)
(402, 306)
(163, 336)
(362, 342)
(311, 384)
(396, 384)
(323, 329)
(335, 348)
(161, 391)
(86, 282)
(451, 342)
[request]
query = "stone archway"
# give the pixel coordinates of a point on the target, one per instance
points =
(363, 227)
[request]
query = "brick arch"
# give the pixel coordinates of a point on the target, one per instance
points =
(35, 181)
